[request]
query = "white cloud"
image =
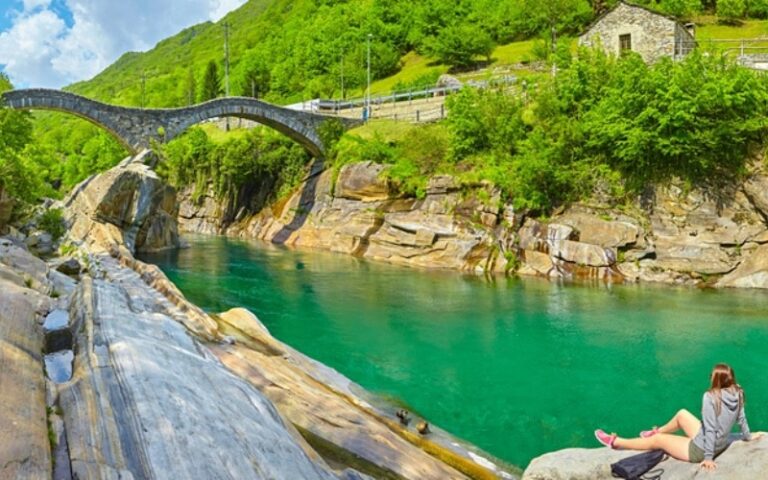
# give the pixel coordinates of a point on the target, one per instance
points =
(26, 49)
(39, 49)
(30, 5)
(219, 8)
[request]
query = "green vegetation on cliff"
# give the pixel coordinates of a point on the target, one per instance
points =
(260, 159)
(603, 124)
(26, 172)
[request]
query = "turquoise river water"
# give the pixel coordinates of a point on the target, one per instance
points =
(517, 367)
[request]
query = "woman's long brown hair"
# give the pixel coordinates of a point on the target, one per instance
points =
(724, 377)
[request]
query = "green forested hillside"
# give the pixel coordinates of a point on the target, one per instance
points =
(295, 49)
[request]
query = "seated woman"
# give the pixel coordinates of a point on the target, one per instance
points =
(722, 407)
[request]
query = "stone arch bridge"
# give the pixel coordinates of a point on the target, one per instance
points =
(135, 127)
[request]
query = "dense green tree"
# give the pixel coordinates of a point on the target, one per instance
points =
(211, 85)
(252, 75)
(19, 176)
(190, 87)
(682, 8)
(730, 11)
(757, 8)
(460, 46)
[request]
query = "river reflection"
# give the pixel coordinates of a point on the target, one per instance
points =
(518, 367)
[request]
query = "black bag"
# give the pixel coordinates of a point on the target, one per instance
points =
(634, 467)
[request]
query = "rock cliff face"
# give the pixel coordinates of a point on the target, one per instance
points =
(672, 236)
(127, 207)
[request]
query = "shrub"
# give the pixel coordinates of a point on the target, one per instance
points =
(52, 221)
(730, 11)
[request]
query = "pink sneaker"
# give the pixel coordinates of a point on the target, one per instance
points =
(604, 438)
(649, 433)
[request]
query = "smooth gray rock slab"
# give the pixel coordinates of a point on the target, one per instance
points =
(149, 401)
(741, 461)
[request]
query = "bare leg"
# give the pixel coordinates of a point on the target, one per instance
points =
(685, 421)
(675, 446)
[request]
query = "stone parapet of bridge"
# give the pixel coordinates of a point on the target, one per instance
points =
(136, 127)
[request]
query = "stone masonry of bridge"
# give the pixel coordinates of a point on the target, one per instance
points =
(136, 127)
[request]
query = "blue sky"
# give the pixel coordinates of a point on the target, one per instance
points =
(52, 43)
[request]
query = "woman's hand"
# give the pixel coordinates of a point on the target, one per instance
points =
(708, 465)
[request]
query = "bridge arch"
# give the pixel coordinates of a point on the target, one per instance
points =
(136, 127)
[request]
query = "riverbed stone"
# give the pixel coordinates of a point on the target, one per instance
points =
(741, 461)
(41, 243)
(70, 266)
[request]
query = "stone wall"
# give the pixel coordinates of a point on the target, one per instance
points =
(653, 35)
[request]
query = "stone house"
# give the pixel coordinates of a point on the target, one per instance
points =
(632, 27)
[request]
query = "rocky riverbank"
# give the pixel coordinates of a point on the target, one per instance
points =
(741, 461)
(671, 235)
(147, 385)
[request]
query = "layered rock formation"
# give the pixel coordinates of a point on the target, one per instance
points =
(741, 461)
(672, 235)
(127, 207)
(24, 449)
(159, 388)
(149, 401)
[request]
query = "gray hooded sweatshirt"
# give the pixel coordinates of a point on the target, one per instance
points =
(715, 429)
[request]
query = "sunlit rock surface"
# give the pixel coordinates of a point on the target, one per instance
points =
(24, 449)
(127, 207)
(741, 461)
(149, 401)
(671, 234)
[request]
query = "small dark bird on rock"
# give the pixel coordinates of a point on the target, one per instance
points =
(423, 428)
(404, 416)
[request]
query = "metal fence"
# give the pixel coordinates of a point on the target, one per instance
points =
(407, 95)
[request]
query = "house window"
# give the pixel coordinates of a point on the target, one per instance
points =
(625, 43)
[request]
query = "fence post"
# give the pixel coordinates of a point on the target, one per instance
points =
(442, 111)
(417, 117)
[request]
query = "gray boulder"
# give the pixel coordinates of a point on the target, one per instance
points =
(70, 267)
(741, 461)
(40, 243)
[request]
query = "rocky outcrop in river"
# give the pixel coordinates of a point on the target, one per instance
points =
(126, 207)
(671, 235)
